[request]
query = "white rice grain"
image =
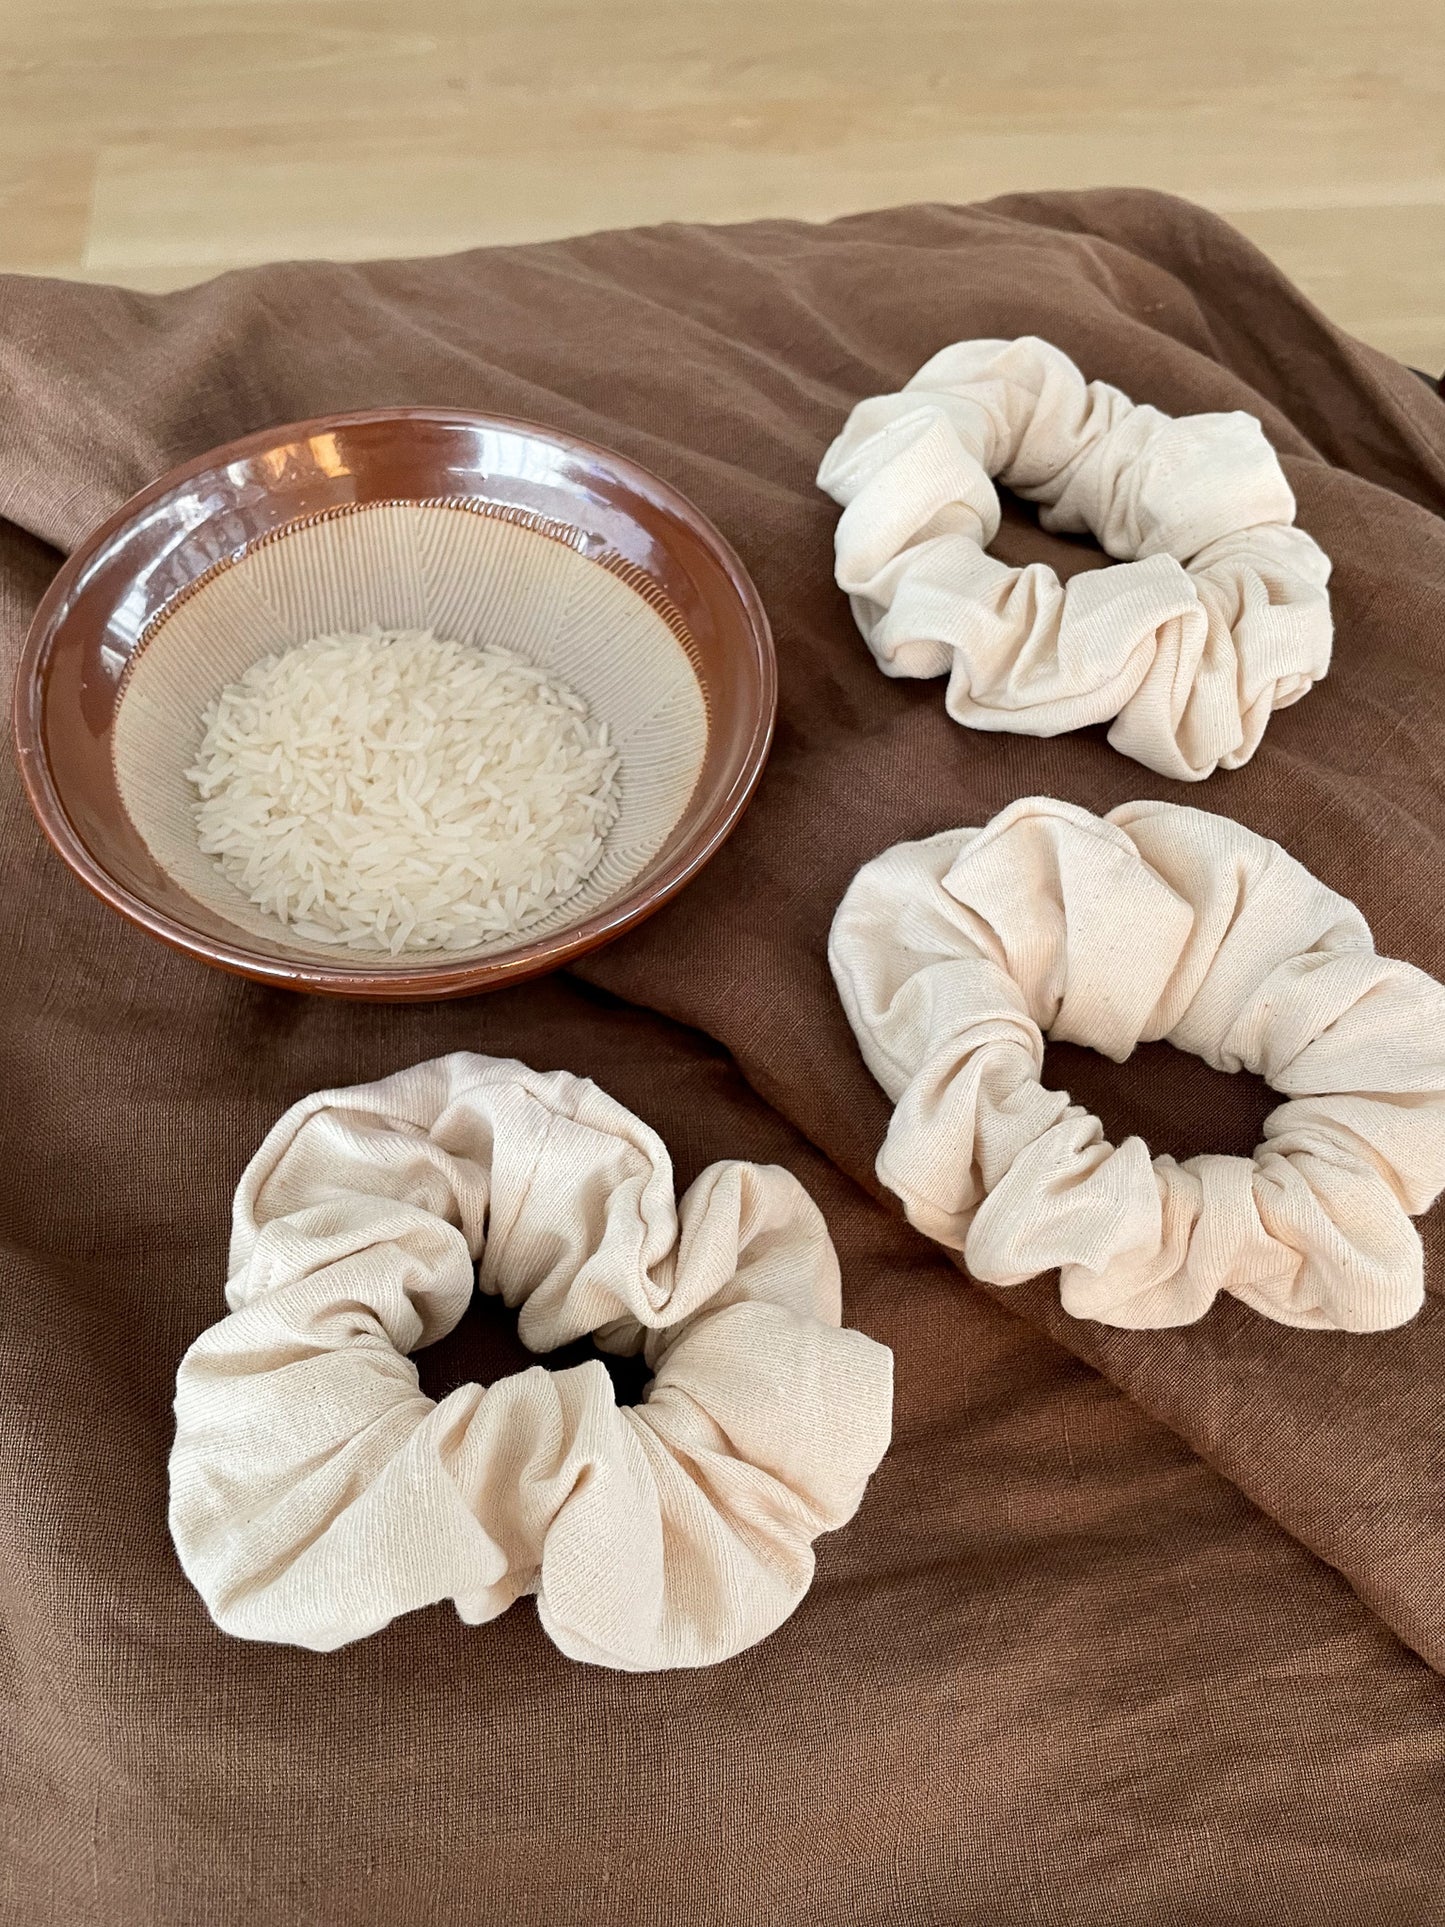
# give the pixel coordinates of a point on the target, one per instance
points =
(394, 791)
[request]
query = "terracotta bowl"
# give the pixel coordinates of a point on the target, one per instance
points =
(482, 528)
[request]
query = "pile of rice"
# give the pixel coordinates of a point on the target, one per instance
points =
(394, 791)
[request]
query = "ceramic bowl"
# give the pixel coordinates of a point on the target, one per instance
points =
(485, 529)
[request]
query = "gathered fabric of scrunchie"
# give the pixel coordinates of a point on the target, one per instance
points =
(1217, 616)
(316, 1492)
(956, 956)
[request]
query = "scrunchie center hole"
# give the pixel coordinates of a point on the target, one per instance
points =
(485, 1347)
(1177, 1103)
(1022, 540)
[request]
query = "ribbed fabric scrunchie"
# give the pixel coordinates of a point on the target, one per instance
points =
(956, 956)
(316, 1492)
(1218, 616)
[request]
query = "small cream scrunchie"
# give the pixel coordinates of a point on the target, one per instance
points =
(1219, 616)
(956, 956)
(316, 1492)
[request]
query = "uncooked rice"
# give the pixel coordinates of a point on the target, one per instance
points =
(396, 791)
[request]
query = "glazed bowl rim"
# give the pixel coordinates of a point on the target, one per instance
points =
(415, 979)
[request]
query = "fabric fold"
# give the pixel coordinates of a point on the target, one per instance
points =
(316, 1492)
(1216, 615)
(956, 957)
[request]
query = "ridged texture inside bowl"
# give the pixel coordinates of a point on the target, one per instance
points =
(474, 573)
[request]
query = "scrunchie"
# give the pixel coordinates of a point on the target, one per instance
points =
(316, 1492)
(1218, 617)
(956, 956)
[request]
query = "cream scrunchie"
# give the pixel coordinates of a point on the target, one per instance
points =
(956, 956)
(1219, 616)
(316, 1492)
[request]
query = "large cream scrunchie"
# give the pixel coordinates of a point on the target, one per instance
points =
(957, 955)
(1219, 616)
(316, 1492)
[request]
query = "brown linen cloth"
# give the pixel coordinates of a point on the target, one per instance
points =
(1132, 1627)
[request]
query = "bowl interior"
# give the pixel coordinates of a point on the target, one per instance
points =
(482, 528)
(471, 572)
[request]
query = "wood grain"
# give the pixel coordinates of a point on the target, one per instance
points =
(157, 142)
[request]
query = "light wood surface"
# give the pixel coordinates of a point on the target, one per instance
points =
(156, 142)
